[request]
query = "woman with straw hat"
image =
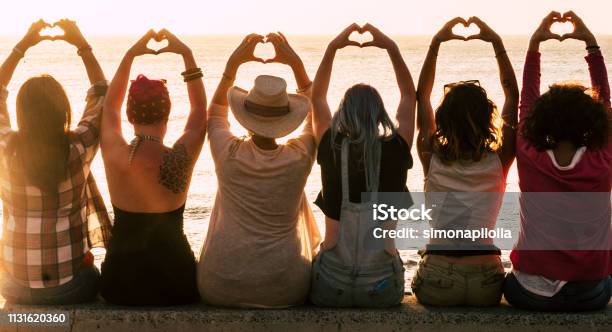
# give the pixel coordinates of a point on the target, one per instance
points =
(262, 234)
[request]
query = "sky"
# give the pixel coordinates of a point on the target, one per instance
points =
(317, 17)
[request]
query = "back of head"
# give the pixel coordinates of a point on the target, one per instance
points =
(148, 101)
(567, 112)
(466, 124)
(363, 119)
(41, 145)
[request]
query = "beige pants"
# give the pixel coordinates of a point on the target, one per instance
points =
(440, 283)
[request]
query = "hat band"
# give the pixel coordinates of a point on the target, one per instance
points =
(266, 111)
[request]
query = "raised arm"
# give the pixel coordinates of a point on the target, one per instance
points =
(321, 113)
(111, 136)
(531, 73)
(242, 54)
(195, 128)
(509, 84)
(32, 38)
(405, 111)
(425, 114)
(597, 66)
(7, 69)
(286, 55)
(73, 36)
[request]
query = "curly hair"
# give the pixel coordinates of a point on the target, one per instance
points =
(567, 112)
(467, 124)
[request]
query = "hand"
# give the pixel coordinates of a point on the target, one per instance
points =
(72, 34)
(446, 33)
(379, 39)
(140, 47)
(543, 33)
(284, 52)
(175, 45)
(244, 53)
(342, 40)
(486, 33)
(33, 36)
(581, 32)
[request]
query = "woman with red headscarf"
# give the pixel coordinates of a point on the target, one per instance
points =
(149, 261)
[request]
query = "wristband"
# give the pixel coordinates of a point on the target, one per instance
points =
(83, 49)
(193, 77)
(18, 51)
(304, 89)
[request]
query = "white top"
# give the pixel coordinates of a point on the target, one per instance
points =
(468, 195)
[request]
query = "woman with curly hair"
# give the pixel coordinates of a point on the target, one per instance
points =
(466, 154)
(562, 260)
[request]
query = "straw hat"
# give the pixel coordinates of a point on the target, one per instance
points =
(268, 110)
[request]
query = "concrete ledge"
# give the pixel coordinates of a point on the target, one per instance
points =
(408, 317)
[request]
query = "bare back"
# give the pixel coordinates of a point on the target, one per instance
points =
(157, 180)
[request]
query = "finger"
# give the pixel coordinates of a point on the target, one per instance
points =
(273, 60)
(354, 43)
(552, 16)
(256, 59)
(570, 35)
(51, 38)
(352, 27)
(366, 44)
(473, 37)
(556, 36)
(368, 27)
(456, 21)
(454, 36)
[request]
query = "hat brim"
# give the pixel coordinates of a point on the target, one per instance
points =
(271, 127)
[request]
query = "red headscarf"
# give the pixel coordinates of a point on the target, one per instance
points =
(148, 101)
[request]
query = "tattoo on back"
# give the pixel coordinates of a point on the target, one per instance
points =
(174, 170)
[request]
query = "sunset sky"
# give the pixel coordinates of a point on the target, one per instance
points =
(401, 17)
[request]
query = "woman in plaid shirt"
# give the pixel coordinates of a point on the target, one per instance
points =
(53, 212)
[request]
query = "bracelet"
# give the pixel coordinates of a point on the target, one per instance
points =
(84, 49)
(193, 77)
(593, 49)
(18, 51)
(227, 77)
(304, 89)
(191, 71)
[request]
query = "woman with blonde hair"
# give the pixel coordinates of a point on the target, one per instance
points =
(360, 150)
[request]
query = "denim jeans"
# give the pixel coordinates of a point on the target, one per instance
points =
(82, 288)
(574, 296)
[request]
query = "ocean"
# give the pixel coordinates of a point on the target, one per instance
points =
(457, 61)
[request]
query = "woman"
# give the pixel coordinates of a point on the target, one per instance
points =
(149, 261)
(262, 234)
(53, 212)
(465, 158)
(360, 150)
(563, 257)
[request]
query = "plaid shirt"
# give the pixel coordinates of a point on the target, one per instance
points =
(45, 238)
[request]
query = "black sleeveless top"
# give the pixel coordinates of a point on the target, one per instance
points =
(149, 261)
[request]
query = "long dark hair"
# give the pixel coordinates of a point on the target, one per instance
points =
(567, 112)
(363, 119)
(466, 124)
(41, 146)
